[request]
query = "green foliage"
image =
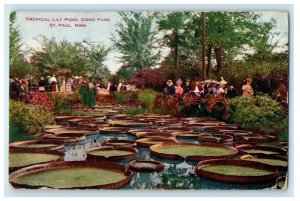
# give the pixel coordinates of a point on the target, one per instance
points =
(18, 66)
(136, 41)
(147, 97)
(124, 97)
(18, 133)
(267, 72)
(31, 118)
(62, 102)
(97, 70)
(87, 95)
(260, 113)
(135, 111)
(69, 58)
(283, 134)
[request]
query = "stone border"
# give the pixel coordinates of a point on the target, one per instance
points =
(133, 154)
(74, 164)
(159, 166)
(156, 147)
(236, 179)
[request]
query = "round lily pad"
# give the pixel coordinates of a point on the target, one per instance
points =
(215, 138)
(37, 144)
(120, 143)
(128, 123)
(180, 134)
(276, 161)
(260, 150)
(147, 142)
(108, 130)
(191, 151)
(70, 130)
(236, 171)
(153, 134)
(146, 166)
(66, 137)
(19, 158)
(111, 153)
(72, 175)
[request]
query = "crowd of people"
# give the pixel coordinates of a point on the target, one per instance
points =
(20, 87)
(202, 88)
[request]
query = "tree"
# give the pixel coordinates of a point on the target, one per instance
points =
(231, 33)
(98, 54)
(59, 57)
(136, 40)
(18, 66)
(174, 22)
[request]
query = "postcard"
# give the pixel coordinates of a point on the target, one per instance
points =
(173, 100)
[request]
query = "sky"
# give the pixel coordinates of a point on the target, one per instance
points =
(97, 27)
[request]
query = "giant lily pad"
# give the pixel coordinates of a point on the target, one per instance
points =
(37, 144)
(215, 138)
(72, 175)
(111, 153)
(19, 158)
(147, 142)
(236, 171)
(146, 166)
(261, 150)
(120, 143)
(191, 151)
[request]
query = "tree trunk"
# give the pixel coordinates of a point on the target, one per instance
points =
(175, 40)
(209, 51)
(218, 52)
(203, 45)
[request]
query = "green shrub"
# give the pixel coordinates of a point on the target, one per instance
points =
(31, 118)
(18, 133)
(87, 95)
(134, 111)
(283, 133)
(124, 97)
(260, 113)
(147, 98)
(62, 102)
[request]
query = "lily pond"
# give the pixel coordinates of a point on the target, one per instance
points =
(168, 141)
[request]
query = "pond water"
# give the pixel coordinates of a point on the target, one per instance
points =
(176, 175)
